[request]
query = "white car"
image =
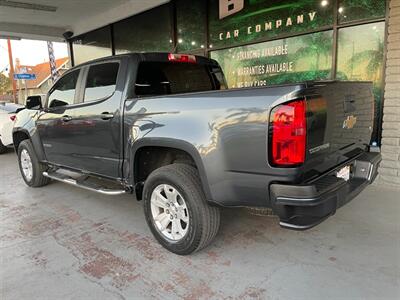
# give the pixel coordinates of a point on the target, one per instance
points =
(8, 114)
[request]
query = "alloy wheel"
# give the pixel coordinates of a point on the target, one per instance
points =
(169, 211)
(26, 165)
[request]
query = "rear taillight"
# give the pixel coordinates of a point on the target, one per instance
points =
(288, 134)
(184, 58)
(13, 117)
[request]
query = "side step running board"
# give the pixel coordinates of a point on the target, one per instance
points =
(84, 183)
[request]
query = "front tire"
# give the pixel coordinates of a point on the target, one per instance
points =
(30, 167)
(176, 209)
(3, 149)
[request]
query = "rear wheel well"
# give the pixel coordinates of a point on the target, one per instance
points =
(150, 158)
(18, 137)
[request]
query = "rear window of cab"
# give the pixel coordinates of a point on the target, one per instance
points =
(164, 78)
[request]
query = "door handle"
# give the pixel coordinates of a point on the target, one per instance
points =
(106, 116)
(66, 118)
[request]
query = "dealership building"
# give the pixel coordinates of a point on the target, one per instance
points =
(257, 43)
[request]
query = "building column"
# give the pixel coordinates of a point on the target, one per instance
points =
(390, 166)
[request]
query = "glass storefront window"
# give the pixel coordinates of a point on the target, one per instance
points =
(258, 42)
(295, 59)
(356, 10)
(92, 45)
(149, 31)
(191, 25)
(235, 22)
(360, 57)
(360, 52)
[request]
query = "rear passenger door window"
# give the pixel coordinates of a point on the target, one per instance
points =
(63, 92)
(101, 81)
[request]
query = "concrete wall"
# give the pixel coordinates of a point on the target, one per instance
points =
(390, 167)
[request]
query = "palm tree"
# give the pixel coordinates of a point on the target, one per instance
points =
(373, 58)
(5, 84)
(316, 44)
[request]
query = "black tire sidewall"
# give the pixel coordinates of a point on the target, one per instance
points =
(3, 149)
(185, 245)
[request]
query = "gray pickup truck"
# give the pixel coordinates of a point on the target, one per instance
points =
(165, 127)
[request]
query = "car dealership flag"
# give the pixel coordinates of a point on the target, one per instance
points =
(52, 61)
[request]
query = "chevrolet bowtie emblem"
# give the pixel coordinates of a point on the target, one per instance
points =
(349, 122)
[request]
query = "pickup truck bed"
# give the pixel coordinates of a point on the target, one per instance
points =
(300, 149)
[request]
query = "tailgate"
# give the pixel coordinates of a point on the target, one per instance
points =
(340, 117)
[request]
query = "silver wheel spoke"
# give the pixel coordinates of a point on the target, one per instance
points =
(183, 217)
(171, 195)
(175, 230)
(163, 219)
(180, 229)
(160, 201)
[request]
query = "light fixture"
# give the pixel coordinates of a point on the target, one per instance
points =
(25, 5)
(340, 10)
(202, 46)
(193, 43)
(324, 2)
(180, 41)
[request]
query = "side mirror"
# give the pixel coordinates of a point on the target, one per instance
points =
(34, 102)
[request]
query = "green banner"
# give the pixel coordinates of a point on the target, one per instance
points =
(235, 22)
(356, 10)
(295, 59)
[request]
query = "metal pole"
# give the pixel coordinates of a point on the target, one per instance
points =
(19, 89)
(11, 74)
(26, 93)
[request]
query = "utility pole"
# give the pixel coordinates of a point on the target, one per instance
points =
(11, 74)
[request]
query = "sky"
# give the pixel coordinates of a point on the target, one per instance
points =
(30, 52)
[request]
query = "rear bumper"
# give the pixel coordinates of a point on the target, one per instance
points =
(304, 206)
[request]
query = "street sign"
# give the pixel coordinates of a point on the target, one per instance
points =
(26, 76)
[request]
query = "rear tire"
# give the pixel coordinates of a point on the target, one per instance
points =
(3, 149)
(202, 219)
(30, 167)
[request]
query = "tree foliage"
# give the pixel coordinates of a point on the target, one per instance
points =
(5, 84)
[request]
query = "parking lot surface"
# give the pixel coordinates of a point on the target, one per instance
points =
(62, 242)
